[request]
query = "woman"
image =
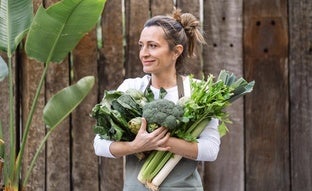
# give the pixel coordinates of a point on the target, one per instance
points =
(164, 43)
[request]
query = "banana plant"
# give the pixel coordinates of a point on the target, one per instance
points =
(14, 22)
(60, 27)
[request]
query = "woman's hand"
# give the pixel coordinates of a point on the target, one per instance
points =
(145, 141)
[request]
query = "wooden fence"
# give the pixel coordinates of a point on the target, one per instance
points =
(269, 144)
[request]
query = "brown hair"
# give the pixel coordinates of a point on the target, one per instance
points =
(180, 28)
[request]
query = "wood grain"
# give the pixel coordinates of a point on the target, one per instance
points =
(58, 145)
(300, 83)
(84, 162)
(136, 13)
(266, 117)
(111, 74)
(223, 27)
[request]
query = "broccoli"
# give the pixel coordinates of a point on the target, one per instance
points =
(162, 112)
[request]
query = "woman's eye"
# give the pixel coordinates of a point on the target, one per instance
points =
(152, 45)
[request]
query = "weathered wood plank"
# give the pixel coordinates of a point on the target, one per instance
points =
(136, 13)
(111, 74)
(267, 118)
(111, 62)
(31, 71)
(58, 144)
(161, 7)
(223, 27)
(192, 65)
(84, 161)
(300, 70)
(31, 74)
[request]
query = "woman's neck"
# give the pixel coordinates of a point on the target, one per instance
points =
(167, 81)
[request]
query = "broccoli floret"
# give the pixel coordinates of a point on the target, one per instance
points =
(164, 113)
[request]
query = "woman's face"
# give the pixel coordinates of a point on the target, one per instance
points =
(155, 55)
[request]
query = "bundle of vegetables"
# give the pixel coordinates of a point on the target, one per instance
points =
(209, 99)
(114, 112)
(118, 116)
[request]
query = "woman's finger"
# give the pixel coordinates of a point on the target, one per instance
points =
(143, 125)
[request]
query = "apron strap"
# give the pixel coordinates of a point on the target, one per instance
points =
(179, 86)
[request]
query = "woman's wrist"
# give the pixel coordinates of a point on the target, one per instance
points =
(182, 147)
(120, 149)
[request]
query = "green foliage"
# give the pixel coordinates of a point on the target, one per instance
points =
(60, 27)
(65, 101)
(53, 33)
(3, 69)
(15, 19)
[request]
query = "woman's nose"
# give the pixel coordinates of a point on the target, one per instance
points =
(144, 51)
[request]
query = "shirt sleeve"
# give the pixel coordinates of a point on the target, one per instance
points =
(209, 142)
(101, 147)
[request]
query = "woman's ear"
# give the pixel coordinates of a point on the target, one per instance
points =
(178, 49)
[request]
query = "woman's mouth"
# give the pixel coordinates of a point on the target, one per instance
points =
(147, 62)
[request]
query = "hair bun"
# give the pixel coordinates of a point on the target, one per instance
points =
(188, 21)
(176, 14)
(191, 29)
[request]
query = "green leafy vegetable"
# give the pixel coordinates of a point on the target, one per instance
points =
(115, 111)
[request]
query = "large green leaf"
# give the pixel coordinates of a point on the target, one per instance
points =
(15, 19)
(65, 101)
(57, 30)
(3, 69)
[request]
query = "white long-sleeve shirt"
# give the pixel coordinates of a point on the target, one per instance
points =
(208, 141)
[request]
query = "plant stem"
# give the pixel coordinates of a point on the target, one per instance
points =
(32, 164)
(11, 122)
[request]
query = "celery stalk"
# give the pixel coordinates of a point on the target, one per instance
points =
(153, 164)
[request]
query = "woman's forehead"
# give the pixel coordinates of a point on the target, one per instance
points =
(152, 33)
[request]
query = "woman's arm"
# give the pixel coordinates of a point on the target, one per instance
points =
(206, 149)
(144, 141)
(181, 147)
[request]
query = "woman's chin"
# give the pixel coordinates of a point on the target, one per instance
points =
(147, 70)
